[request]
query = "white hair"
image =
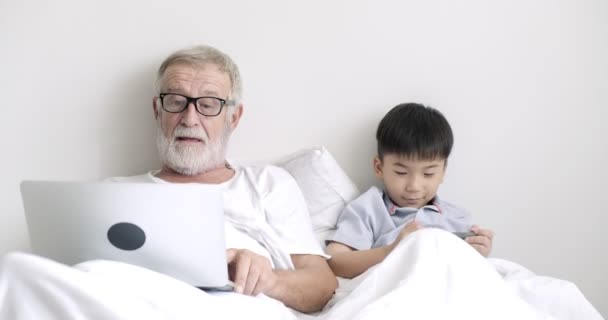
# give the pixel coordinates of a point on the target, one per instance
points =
(200, 56)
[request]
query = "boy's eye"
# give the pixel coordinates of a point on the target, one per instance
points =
(428, 175)
(400, 173)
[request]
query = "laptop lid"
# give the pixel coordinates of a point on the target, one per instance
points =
(174, 229)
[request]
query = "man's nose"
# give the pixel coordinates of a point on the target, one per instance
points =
(190, 117)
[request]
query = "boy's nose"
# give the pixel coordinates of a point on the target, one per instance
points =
(412, 184)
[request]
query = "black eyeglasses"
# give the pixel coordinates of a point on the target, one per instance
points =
(207, 106)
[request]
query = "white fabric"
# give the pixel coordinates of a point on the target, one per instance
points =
(325, 185)
(266, 206)
(556, 297)
(281, 220)
(430, 275)
(434, 275)
(36, 288)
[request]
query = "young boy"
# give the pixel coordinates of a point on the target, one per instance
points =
(414, 143)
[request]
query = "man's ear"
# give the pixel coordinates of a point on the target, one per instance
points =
(377, 163)
(155, 107)
(235, 117)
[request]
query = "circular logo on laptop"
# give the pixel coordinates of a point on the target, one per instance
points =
(126, 236)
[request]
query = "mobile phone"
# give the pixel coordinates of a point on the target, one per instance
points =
(463, 235)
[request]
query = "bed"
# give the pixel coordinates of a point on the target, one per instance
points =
(431, 274)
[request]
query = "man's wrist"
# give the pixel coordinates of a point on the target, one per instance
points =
(277, 290)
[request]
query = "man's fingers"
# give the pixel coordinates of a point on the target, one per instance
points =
(253, 276)
(247, 270)
(261, 285)
(230, 255)
(241, 271)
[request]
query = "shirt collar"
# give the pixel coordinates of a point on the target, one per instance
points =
(434, 205)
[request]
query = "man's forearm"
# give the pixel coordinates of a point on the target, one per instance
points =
(305, 289)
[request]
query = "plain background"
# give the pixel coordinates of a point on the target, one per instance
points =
(523, 83)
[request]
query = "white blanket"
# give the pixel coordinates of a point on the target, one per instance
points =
(430, 275)
(434, 275)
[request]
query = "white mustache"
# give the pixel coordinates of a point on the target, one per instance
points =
(184, 132)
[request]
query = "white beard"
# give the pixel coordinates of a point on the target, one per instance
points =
(189, 159)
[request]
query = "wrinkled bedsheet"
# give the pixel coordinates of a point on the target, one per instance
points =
(430, 275)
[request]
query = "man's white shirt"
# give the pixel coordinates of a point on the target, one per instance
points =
(264, 211)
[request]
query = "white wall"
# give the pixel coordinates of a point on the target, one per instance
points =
(524, 84)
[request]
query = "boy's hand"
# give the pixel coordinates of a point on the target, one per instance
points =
(409, 228)
(482, 241)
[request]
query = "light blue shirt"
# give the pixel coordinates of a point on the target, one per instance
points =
(372, 220)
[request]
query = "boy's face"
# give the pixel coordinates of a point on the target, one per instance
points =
(410, 182)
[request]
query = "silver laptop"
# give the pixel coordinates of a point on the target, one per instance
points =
(174, 229)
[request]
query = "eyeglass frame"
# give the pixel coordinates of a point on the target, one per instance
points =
(193, 100)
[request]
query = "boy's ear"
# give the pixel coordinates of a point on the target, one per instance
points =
(377, 163)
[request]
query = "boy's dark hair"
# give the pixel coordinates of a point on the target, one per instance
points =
(414, 130)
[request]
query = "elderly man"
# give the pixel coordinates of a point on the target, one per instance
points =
(197, 106)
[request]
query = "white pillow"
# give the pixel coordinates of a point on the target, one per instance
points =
(324, 184)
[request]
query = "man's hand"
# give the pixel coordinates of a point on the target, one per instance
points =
(251, 273)
(482, 241)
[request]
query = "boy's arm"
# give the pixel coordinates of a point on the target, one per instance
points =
(347, 262)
